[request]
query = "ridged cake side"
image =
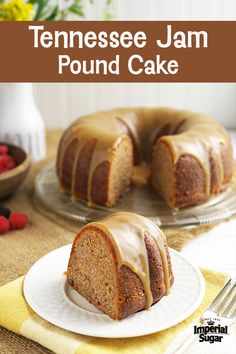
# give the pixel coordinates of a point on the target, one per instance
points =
(197, 149)
(93, 271)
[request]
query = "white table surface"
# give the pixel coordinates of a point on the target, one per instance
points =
(216, 249)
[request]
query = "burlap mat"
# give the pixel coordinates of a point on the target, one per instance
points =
(46, 231)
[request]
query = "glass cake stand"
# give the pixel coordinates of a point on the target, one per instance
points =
(142, 201)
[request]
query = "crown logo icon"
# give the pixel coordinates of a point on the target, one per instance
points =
(210, 323)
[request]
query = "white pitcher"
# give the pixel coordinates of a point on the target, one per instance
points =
(20, 121)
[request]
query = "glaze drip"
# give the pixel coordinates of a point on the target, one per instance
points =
(127, 234)
(184, 132)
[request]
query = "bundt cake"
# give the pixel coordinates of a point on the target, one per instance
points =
(121, 264)
(189, 155)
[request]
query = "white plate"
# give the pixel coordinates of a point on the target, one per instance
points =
(47, 292)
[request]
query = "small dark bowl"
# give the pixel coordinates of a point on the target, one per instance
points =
(11, 180)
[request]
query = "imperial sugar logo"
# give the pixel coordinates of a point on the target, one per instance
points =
(211, 332)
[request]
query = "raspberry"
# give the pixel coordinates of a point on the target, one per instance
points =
(4, 169)
(6, 163)
(5, 212)
(3, 149)
(18, 221)
(4, 225)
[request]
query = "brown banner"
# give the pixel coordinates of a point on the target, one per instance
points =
(118, 51)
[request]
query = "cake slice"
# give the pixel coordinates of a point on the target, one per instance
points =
(120, 264)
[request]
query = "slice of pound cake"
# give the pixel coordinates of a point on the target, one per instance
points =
(121, 264)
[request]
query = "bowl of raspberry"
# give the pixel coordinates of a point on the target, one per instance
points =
(14, 166)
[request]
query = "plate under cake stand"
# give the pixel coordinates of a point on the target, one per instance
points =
(142, 201)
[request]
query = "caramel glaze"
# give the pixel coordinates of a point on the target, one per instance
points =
(127, 232)
(184, 132)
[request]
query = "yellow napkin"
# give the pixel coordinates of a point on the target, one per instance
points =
(18, 317)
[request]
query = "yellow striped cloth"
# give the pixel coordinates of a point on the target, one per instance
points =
(18, 317)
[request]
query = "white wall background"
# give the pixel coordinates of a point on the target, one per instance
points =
(62, 103)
